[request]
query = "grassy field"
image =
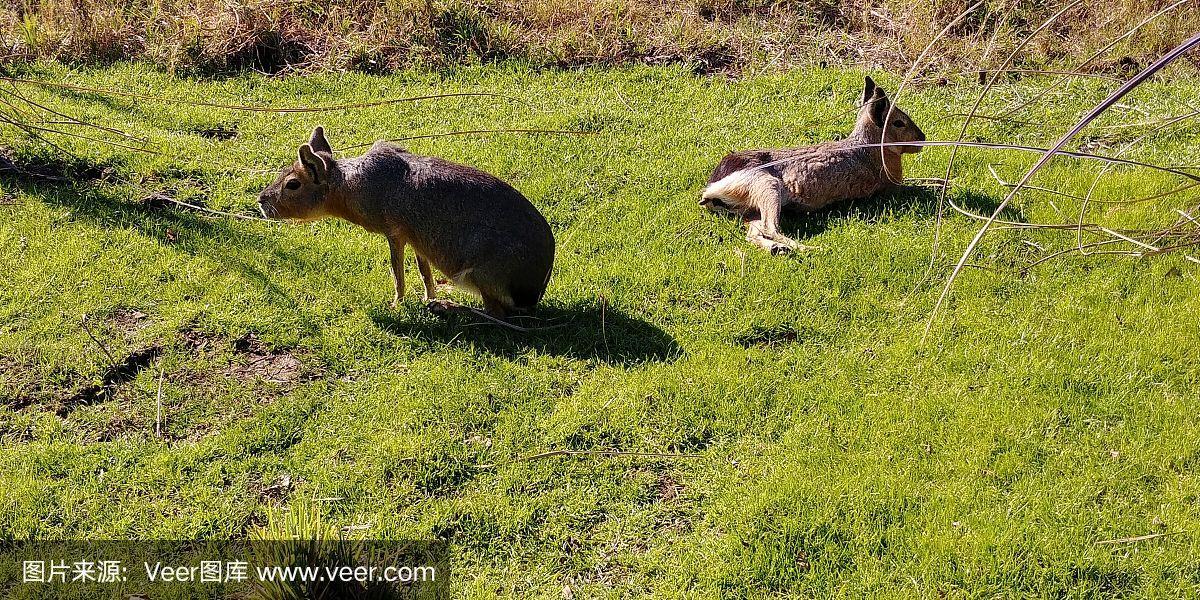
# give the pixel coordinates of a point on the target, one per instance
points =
(825, 449)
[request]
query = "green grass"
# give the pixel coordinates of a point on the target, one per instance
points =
(839, 455)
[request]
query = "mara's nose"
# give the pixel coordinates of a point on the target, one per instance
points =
(262, 198)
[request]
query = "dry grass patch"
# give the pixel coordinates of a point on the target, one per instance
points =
(206, 37)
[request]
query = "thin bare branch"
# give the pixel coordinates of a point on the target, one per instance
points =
(1099, 53)
(1091, 116)
(263, 109)
(962, 133)
(471, 132)
(1136, 538)
(998, 146)
(554, 453)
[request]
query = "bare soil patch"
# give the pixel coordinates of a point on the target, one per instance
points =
(264, 363)
(129, 321)
(20, 386)
(668, 489)
(220, 133)
(252, 358)
(768, 336)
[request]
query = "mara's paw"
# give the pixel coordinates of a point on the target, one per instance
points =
(791, 245)
(441, 306)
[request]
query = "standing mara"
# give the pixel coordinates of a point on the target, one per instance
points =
(483, 234)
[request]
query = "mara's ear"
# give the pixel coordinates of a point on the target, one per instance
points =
(880, 107)
(868, 91)
(318, 141)
(316, 167)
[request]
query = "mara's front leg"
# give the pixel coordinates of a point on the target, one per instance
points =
(396, 246)
(427, 278)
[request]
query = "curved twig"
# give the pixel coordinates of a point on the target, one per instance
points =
(264, 109)
(997, 146)
(470, 132)
(1049, 154)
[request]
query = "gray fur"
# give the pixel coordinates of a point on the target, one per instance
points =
(813, 177)
(475, 228)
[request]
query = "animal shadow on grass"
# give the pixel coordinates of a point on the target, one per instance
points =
(922, 202)
(583, 330)
(588, 331)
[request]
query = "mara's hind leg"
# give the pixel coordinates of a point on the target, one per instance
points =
(497, 303)
(764, 196)
(762, 228)
(491, 283)
(496, 307)
(427, 278)
(756, 234)
(494, 310)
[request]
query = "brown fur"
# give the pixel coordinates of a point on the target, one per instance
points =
(813, 177)
(483, 234)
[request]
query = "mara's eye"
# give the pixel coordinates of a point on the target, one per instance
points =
(292, 184)
(898, 124)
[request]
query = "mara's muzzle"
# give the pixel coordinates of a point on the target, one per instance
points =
(266, 208)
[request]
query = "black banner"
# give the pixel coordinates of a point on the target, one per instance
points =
(262, 569)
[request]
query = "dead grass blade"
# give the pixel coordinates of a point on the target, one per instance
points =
(212, 211)
(1136, 538)
(962, 133)
(1166, 121)
(1099, 53)
(554, 453)
(999, 146)
(1172, 192)
(1040, 72)
(1059, 253)
(471, 132)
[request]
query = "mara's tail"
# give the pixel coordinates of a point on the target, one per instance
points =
(731, 193)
